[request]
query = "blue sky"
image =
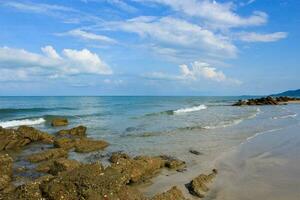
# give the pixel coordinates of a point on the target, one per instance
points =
(149, 47)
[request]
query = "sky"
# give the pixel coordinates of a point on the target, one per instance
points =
(149, 47)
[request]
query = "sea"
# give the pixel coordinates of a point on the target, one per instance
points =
(152, 125)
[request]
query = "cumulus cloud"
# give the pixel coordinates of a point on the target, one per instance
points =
(257, 37)
(218, 14)
(88, 36)
(177, 32)
(50, 63)
(194, 72)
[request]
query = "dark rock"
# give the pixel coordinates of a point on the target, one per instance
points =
(79, 131)
(47, 155)
(118, 155)
(265, 101)
(199, 185)
(195, 152)
(35, 135)
(59, 122)
(173, 194)
(88, 145)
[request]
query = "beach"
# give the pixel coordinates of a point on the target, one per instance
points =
(252, 147)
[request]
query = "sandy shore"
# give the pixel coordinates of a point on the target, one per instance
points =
(265, 167)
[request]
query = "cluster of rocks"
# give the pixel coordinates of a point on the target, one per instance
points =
(70, 179)
(265, 101)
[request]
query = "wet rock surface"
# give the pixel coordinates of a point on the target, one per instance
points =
(47, 155)
(79, 131)
(6, 170)
(59, 122)
(265, 101)
(88, 145)
(199, 186)
(173, 194)
(173, 163)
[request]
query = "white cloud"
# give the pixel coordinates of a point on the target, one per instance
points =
(196, 71)
(176, 32)
(257, 37)
(88, 36)
(218, 14)
(50, 63)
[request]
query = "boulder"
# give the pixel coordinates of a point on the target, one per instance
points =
(192, 151)
(88, 145)
(118, 155)
(92, 182)
(6, 170)
(173, 194)
(173, 163)
(199, 185)
(139, 168)
(35, 135)
(79, 131)
(47, 155)
(59, 122)
(55, 166)
(64, 142)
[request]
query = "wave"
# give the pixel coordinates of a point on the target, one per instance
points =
(17, 110)
(285, 116)
(28, 122)
(191, 109)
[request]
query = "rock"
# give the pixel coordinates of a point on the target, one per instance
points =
(35, 135)
(117, 155)
(79, 131)
(264, 101)
(199, 185)
(13, 139)
(6, 170)
(88, 145)
(173, 194)
(90, 181)
(47, 155)
(195, 152)
(59, 122)
(138, 169)
(65, 143)
(63, 164)
(173, 163)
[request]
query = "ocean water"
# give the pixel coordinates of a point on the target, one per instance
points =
(155, 126)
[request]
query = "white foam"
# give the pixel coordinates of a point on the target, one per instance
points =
(29, 122)
(286, 116)
(192, 109)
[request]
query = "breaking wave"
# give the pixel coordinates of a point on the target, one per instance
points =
(28, 122)
(191, 109)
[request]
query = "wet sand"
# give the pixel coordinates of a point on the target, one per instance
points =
(265, 167)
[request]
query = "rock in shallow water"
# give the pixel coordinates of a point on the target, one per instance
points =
(6, 170)
(79, 131)
(48, 154)
(59, 122)
(173, 194)
(199, 185)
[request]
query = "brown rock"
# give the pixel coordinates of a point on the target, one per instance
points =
(118, 155)
(173, 163)
(139, 168)
(59, 122)
(88, 145)
(47, 155)
(64, 142)
(79, 131)
(35, 135)
(173, 194)
(199, 185)
(63, 164)
(92, 182)
(6, 164)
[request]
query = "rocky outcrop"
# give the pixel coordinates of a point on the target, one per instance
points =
(88, 145)
(59, 122)
(64, 142)
(200, 185)
(47, 155)
(13, 139)
(173, 163)
(55, 166)
(265, 101)
(6, 170)
(79, 131)
(173, 194)
(139, 168)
